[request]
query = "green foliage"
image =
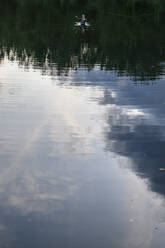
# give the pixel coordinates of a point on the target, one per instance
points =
(126, 36)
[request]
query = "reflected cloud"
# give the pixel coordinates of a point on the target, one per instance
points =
(88, 152)
(56, 123)
(135, 122)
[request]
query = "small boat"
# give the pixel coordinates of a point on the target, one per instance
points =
(78, 24)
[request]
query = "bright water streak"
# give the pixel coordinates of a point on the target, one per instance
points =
(80, 160)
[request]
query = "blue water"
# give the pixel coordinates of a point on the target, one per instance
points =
(82, 159)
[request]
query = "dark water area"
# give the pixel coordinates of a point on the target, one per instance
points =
(82, 125)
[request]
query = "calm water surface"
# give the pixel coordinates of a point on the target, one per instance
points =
(82, 160)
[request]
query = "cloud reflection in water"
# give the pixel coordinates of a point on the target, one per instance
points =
(72, 169)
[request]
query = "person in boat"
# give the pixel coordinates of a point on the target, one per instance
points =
(83, 21)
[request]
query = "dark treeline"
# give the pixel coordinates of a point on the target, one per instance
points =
(126, 36)
(130, 7)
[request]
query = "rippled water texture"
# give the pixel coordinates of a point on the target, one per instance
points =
(82, 131)
(80, 160)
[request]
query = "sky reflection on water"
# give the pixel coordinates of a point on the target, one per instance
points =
(80, 160)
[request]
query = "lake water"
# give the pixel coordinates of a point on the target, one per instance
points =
(82, 125)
